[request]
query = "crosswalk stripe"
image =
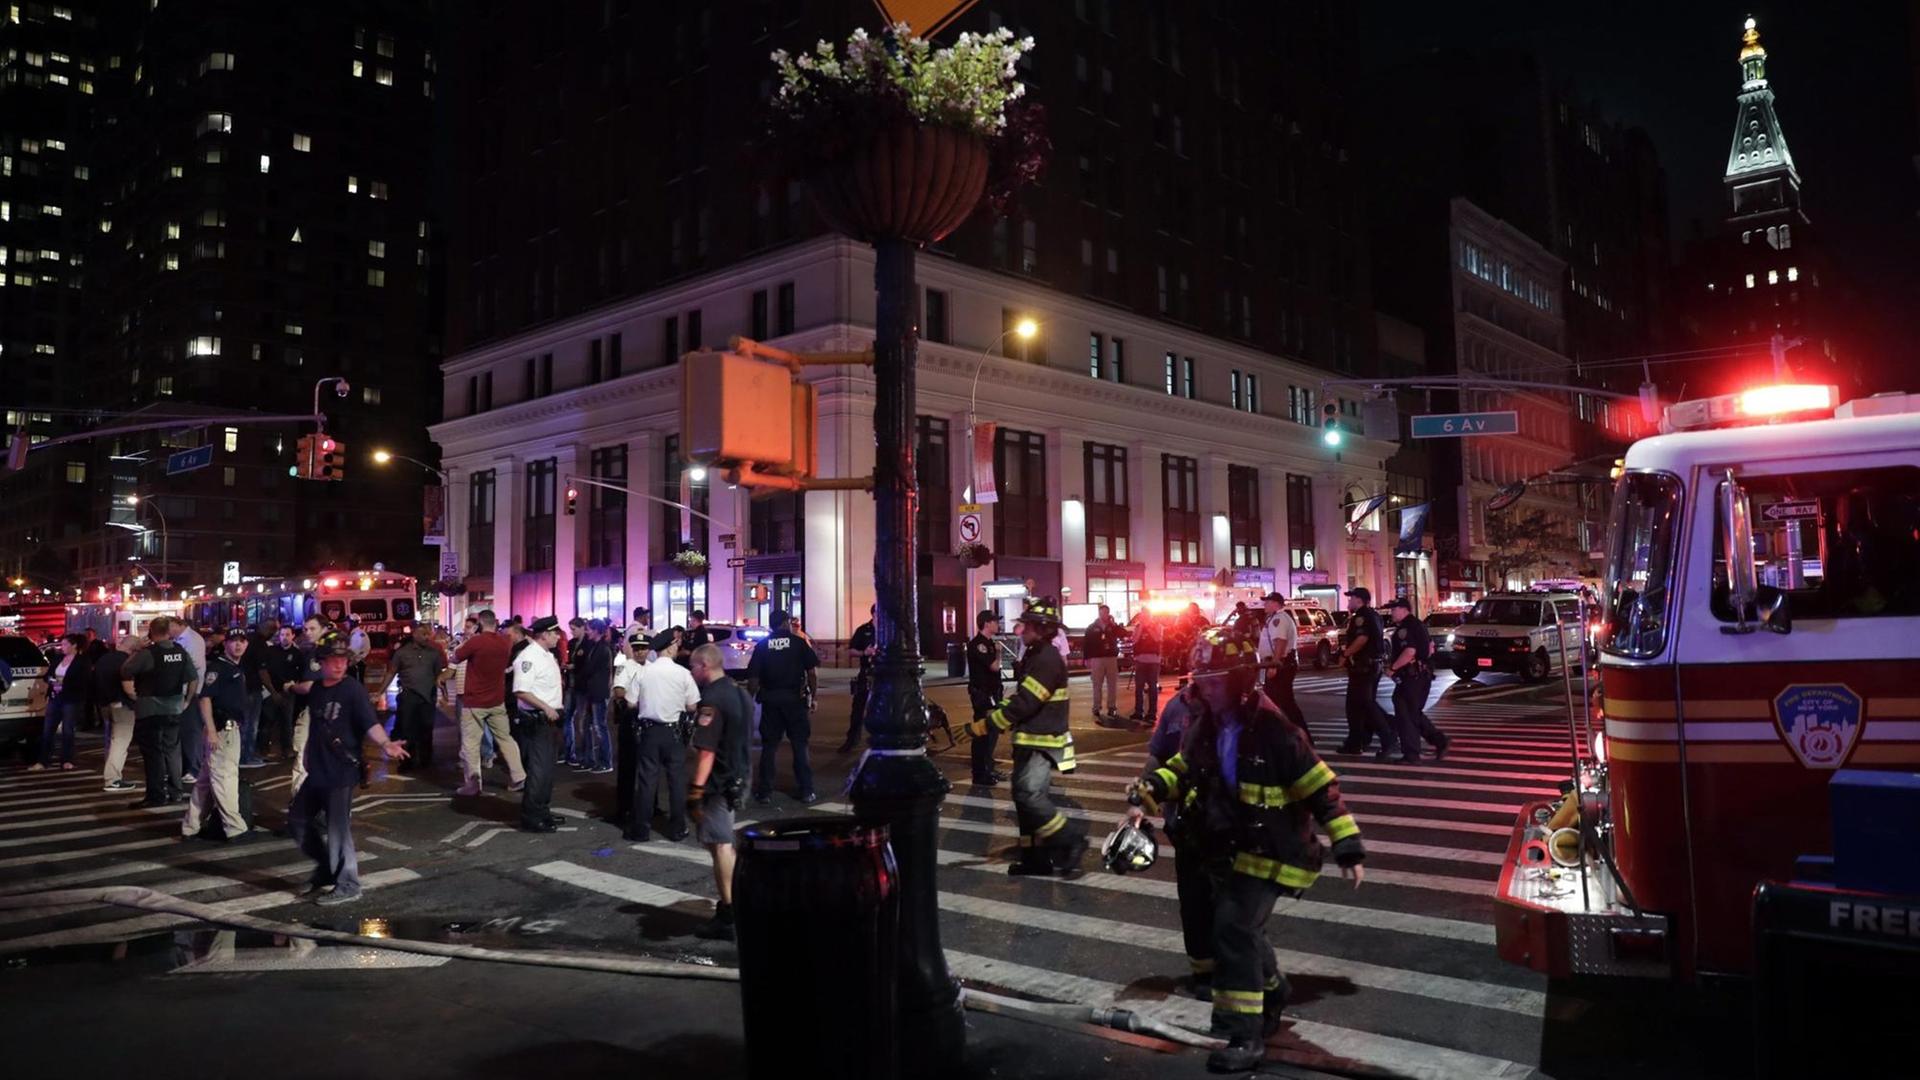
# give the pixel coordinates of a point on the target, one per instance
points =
(616, 886)
(87, 853)
(84, 834)
(1398, 1057)
(41, 779)
(1374, 846)
(1350, 779)
(77, 819)
(23, 807)
(119, 872)
(178, 887)
(1292, 962)
(145, 924)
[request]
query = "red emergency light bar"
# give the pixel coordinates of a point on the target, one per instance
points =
(1790, 398)
(1759, 403)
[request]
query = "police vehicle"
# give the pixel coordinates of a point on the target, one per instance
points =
(1319, 632)
(24, 705)
(1520, 634)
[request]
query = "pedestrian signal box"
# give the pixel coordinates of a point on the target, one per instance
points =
(736, 408)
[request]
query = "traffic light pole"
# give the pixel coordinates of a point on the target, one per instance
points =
(895, 784)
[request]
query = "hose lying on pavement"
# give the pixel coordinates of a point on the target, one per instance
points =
(131, 896)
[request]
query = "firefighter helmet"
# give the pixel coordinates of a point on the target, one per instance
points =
(1129, 849)
(1044, 614)
(1223, 648)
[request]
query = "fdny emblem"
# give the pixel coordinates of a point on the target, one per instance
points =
(1820, 723)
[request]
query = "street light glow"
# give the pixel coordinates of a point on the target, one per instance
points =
(381, 457)
(697, 474)
(1026, 328)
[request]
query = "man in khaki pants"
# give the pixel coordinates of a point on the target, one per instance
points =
(106, 686)
(222, 707)
(484, 704)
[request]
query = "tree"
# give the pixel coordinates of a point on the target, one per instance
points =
(1518, 540)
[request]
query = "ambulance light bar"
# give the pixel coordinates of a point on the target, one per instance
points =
(1759, 403)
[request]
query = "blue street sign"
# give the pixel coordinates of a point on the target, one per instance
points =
(188, 460)
(1453, 425)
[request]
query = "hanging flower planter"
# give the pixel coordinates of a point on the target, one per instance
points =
(975, 555)
(900, 141)
(450, 587)
(690, 562)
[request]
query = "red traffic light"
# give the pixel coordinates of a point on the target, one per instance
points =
(326, 446)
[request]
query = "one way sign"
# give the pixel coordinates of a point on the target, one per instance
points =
(1791, 511)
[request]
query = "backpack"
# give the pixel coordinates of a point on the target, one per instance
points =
(172, 670)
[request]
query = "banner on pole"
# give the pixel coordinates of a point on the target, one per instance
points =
(433, 515)
(982, 438)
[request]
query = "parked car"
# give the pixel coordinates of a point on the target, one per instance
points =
(23, 707)
(1440, 627)
(1319, 632)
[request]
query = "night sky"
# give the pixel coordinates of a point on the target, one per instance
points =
(1844, 79)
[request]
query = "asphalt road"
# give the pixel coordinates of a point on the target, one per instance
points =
(1398, 977)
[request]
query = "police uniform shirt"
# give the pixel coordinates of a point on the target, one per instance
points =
(161, 673)
(1279, 637)
(225, 686)
(1367, 621)
(537, 674)
(781, 663)
(861, 642)
(982, 651)
(720, 727)
(659, 690)
(1411, 632)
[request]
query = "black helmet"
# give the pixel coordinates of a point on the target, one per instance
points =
(1222, 649)
(1044, 614)
(1129, 849)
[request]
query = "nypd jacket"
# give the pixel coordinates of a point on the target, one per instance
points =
(1263, 823)
(1037, 711)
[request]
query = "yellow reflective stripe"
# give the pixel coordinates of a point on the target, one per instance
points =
(1342, 827)
(1239, 1001)
(1049, 742)
(1066, 762)
(1293, 877)
(1059, 696)
(1262, 795)
(1166, 777)
(998, 718)
(1316, 778)
(1273, 982)
(1178, 763)
(1059, 822)
(1199, 966)
(1032, 686)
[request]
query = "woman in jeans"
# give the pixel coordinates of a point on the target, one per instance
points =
(68, 699)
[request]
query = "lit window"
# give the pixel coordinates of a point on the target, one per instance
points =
(1793, 273)
(295, 238)
(228, 475)
(353, 185)
(76, 472)
(377, 278)
(294, 328)
(384, 45)
(171, 260)
(219, 61)
(377, 248)
(213, 218)
(163, 386)
(51, 210)
(86, 86)
(173, 230)
(383, 76)
(359, 69)
(56, 144)
(175, 172)
(230, 440)
(266, 163)
(58, 13)
(203, 346)
(219, 123)
(369, 395)
(58, 79)
(302, 143)
(1749, 281)
(81, 172)
(1773, 277)
(106, 224)
(379, 189)
(212, 155)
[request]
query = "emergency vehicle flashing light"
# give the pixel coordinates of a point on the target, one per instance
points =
(1759, 403)
(1774, 400)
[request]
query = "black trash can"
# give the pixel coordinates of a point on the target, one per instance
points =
(956, 660)
(816, 906)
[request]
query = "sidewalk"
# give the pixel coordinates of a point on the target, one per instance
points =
(461, 1019)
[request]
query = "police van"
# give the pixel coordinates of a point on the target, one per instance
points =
(1522, 634)
(23, 705)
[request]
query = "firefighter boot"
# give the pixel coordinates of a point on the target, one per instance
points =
(1066, 857)
(1243, 1053)
(1271, 1012)
(1031, 862)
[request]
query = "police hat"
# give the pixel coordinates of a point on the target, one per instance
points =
(662, 639)
(1400, 602)
(1275, 597)
(543, 624)
(1361, 593)
(639, 639)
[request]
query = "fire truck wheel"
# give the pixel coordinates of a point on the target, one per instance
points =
(1536, 667)
(1324, 658)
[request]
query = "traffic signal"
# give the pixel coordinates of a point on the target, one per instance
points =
(573, 498)
(332, 461)
(1332, 430)
(302, 468)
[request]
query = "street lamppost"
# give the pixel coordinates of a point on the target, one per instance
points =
(382, 457)
(136, 502)
(1025, 329)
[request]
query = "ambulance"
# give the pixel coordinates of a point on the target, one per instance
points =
(1752, 775)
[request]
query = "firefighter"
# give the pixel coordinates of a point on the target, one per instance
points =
(1036, 715)
(1250, 788)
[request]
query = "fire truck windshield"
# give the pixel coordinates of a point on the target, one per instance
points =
(1639, 579)
(1843, 544)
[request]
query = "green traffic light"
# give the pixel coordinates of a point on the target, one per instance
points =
(1332, 437)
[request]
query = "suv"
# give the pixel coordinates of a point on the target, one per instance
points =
(1440, 628)
(24, 704)
(1518, 633)
(1319, 632)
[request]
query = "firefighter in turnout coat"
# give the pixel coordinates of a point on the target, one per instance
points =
(1249, 789)
(1036, 718)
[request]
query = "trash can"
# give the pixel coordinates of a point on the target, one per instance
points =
(817, 915)
(956, 660)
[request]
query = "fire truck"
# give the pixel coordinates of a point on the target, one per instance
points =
(1750, 784)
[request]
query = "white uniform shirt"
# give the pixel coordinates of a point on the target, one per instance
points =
(1279, 637)
(658, 689)
(189, 639)
(537, 674)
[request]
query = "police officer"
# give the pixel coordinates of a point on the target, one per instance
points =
(1364, 651)
(1407, 664)
(1251, 789)
(537, 688)
(222, 710)
(781, 677)
(1037, 716)
(984, 688)
(159, 680)
(1279, 653)
(862, 647)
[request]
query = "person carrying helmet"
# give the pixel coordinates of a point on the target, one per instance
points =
(1250, 788)
(1036, 716)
